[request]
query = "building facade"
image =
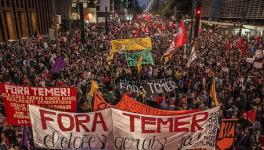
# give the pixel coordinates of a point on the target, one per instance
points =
(93, 10)
(63, 8)
(20, 18)
(250, 11)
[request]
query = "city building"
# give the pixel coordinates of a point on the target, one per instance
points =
(63, 8)
(246, 11)
(20, 18)
(93, 10)
(237, 16)
(103, 7)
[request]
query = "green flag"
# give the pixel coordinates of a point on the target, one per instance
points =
(132, 57)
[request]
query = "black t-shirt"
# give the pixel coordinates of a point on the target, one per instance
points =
(244, 123)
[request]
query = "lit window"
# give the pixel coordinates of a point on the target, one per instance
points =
(84, 5)
(74, 4)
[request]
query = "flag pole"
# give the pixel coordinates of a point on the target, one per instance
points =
(191, 28)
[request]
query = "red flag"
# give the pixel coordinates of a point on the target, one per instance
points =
(146, 30)
(241, 45)
(164, 26)
(147, 17)
(228, 45)
(258, 38)
(155, 25)
(244, 48)
(180, 37)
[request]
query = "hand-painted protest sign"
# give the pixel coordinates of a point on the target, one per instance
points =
(17, 99)
(45, 45)
(134, 131)
(132, 57)
(226, 136)
(250, 60)
(61, 130)
(130, 45)
(131, 105)
(150, 87)
(259, 54)
(257, 65)
(122, 130)
(99, 103)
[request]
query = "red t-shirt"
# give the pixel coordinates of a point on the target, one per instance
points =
(251, 115)
(159, 99)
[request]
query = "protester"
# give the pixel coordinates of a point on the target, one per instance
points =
(239, 84)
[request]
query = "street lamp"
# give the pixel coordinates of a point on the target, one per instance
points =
(80, 4)
(197, 18)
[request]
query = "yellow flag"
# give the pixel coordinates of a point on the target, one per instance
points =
(135, 44)
(139, 64)
(94, 88)
(213, 93)
(131, 44)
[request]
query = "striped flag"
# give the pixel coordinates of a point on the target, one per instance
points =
(193, 56)
(179, 39)
(170, 49)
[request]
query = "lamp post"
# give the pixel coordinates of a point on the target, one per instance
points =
(191, 28)
(197, 18)
(106, 21)
(242, 19)
(80, 4)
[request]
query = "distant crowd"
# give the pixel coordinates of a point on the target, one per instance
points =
(239, 84)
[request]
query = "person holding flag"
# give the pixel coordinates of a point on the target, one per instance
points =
(94, 88)
(89, 95)
(242, 45)
(213, 93)
(139, 64)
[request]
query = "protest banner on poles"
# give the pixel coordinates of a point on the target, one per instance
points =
(131, 105)
(150, 87)
(62, 130)
(17, 99)
(136, 131)
(99, 103)
(132, 57)
(116, 129)
(226, 136)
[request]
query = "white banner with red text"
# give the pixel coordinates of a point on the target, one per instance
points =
(116, 129)
(137, 132)
(63, 130)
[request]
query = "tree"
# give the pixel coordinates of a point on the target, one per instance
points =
(137, 7)
(183, 7)
(168, 8)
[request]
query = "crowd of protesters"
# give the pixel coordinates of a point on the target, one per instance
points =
(239, 85)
